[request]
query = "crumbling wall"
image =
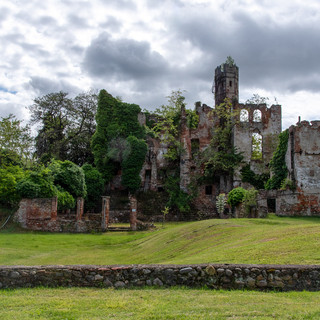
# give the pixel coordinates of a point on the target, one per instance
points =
(268, 126)
(303, 163)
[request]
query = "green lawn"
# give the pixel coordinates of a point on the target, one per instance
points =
(263, 241)
(85, 303)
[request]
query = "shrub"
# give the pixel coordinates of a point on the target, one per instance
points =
(9, 177)
(236, 196)
(37, 184)
(65, 200)
(95, 185)
(69, 177)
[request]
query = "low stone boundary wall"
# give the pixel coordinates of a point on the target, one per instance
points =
(215, 276)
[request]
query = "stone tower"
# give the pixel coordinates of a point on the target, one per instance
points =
(226, 83)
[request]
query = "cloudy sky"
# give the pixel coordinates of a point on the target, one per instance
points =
(141, 50)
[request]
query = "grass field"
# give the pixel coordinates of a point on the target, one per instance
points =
(263, 241)
(85, 303)
(271, 240)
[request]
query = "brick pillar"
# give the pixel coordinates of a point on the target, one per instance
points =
(133, 213)
(54, 208)
(80, 203)
(105, 213)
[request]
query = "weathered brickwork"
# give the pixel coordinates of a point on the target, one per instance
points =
(214, 276)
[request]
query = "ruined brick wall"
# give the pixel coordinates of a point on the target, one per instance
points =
(41, 215)
(303, 163)
(268, 126)
(32, 211)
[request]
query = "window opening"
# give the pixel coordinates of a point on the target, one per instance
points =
(256, 146)
(244, 115)
(257, 116)
(208, 190)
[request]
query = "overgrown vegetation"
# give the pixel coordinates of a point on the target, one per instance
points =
(221, 158)
(278, 162)
(257, 180)
(116, 122)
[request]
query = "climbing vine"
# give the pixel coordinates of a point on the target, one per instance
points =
(116, 121)
(257, 180)
(278, 162)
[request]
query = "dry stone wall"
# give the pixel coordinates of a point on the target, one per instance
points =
(215, 276)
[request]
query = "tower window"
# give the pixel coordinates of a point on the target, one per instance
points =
(230, 83)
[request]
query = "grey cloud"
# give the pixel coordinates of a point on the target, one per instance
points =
(123, 59)
(269, 54)
(43, 86)
(111, 24)
(77, 21)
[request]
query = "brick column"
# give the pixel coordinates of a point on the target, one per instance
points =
(133, 213)
(105, 213)
(80, 203)
(54, 208)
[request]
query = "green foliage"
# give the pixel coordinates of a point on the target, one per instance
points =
(15, 139)
(236, 196)
(67, 126)
(9, 158)
(221, 157)
(230, 61)
(9, 177)
(278, 162)
(257, 180)
(132, 163)
(116, 121)
(37, 184)
(221, 202)
(65, 200)
(95, 185)
(287, 184)
(250, 199)
(178, 199)
(69, 177)
(169, 121)
(256, 147)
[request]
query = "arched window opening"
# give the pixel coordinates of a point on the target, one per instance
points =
(244, 115)
(257, 116)
(256, 146)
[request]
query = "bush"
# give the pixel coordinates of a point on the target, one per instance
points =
(37, 184)
(95, 185)
(9, 177)
(69, 176)
(236, 196)
(65, 200)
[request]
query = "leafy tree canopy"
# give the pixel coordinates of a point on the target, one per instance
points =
(15, 140)
(67, 126)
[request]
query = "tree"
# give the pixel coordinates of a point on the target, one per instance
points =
(15, 140)
(67, 126)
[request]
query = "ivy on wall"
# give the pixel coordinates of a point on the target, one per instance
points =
(116, 121)
(278, 162)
